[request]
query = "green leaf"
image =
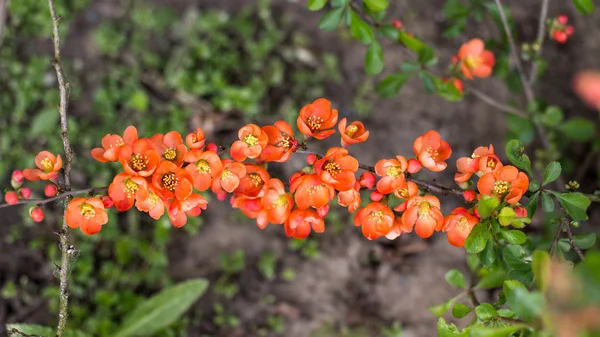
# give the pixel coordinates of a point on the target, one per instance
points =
(449, 330)
(411, 42)
(454, 9)
(584, 6)
(478, 238)
(392, 84)
(360, 30)
(552, 172)
(428, 82)
(552, 117)
(578, 129)
(487, 204)
(493, 278)
(514, 152)
(44, 120)
(374, 59)
(506, 216)
(42, 331)
(514, 237)
(574, 203)
(139, 101)
(410, 66)
(521, 301)
(315, 5)
(427, 56)
(441, 309)
(376, 5)
(331, 19)
(488, 255)
(339, 3)
(505, 331)
(547, 202)
(540, 264)
(585, 241)
(447, 90)
(460, 310)
(456, 278)
(389, 31)
(514, 256)
(162, 309)
(520, 128)
(485, 312)
(532, 204)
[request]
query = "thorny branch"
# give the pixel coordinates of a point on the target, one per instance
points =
(67, 250)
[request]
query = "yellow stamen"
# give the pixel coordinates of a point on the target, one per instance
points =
(203, 166)
(472, 61)
(251, 140)
(170, 154)
(424, 209)
(87, 210)
(332, 168)
(130, 187)
(47, 165)
(153, 199)
(462, 224)
(169, 181)
(139, 162)
(314, 123)
(394, 171)
(351, 130)
(500, 187)
(377, 216)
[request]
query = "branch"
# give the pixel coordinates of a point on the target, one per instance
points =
(13, 332)
(539, 41)
(67, 250)
(492, 102)
(40, 202)
(573, 244)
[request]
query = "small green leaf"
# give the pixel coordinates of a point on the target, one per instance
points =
(315, 5)
(339, 3)
(411, 42)
(514, 237)
(441, 309)
(575, 204)
(485, 312)
(478, 238)
(578, 129)
(376, 5)
(389, 31)
(506, 216)
(487, 204)
(331, 19)
(532, 204)
(547, 202)
(521, 301)
(427, 56)
(162, 309)
(374, 59)
(514, 152)
(585, 241)
(540, 264)
(493, 278)
(428, 82)
(584, 6)
(456, 278)
(551, 173)
(449, 330)
(360, 30)
(481, 331)
(552, 117)
(460, 310)
(514, 256)
(488, 255)
(410, 66)
(392, 84)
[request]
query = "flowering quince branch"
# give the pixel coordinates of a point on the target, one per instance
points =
(41, 202)
(539, 41)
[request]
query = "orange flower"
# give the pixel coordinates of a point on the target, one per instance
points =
(177, 208)
(48, 167)
(310, 191)
(170, 181)
(353, 134)
(337, 168)
(86, 213)
(475, 60)
(300, 222)
(424, 215)
(317, 119)
(376, 220)
(205, 166)
(277, 202)
(587, 86)
(195, 140)
(140, 158)
(432, 151)
(111, 144)
(252, 141)
(125, 189)
(252, 208)
(170, 147)
(458, 225)
(152, 204)
(391, 172)
(483, 160)
(255, 183)
(229, 178)
(406, 192)
(350, 198)
(507, 183)
(396, 229)
(281, 143)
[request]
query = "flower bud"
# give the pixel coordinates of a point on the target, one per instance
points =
(521, 211)
(469, 195)
(376, 196)
(11, 197)
(562, 19)
(367, 179)
(50, 190)
(36, 213)
(397, 24)
(25, 192)
(311, 158)
(414, 166)
(107, 201)
(17, 179)
(212, 147)
(221, 195)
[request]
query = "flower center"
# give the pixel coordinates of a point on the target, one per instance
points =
(433, 153)
(314, 189)
(226, 174)
(255, 179)
(153, 199)
(472, 61)
(202, 166)
(376, 216)
(491, 163)
(394, 171)
(139, 162)
(462, 224)
(251, 140)
(500, 187)
(351, 130)
(170, 181)
(170, 154)
(285, 142)
(314, 123)
(403, 192)
(281, 201)
(130, 187)
(332, 168)
(87, 210)
(47, 165)
(424, 209)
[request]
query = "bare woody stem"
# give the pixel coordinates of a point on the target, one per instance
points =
(68, 194)
(66, 249)
(539, 40)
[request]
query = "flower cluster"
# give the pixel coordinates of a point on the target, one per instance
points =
(559, 30)
(170, 174)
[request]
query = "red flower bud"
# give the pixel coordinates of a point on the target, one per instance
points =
(311, 158)
(367, 179)
(376, 196)
(221, 195)
(569, 30)
(397, 24)
(25, 192)
(212, 147)
(37, 214)
(469, 195)
(50, 190)
(562, 19)
(17, 179)
(322, 211)
(559, 36)
(11, 197)
(414, 166)
(107, 201)
(476, 211)
(521, 211)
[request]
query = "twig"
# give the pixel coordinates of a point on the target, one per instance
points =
(539, 41)
(573, 244)
(41, 202)
(513, 50)
(556, 237)
(13, 332)
(492, 102)
(66, 249)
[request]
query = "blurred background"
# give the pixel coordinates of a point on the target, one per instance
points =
(166, 65)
